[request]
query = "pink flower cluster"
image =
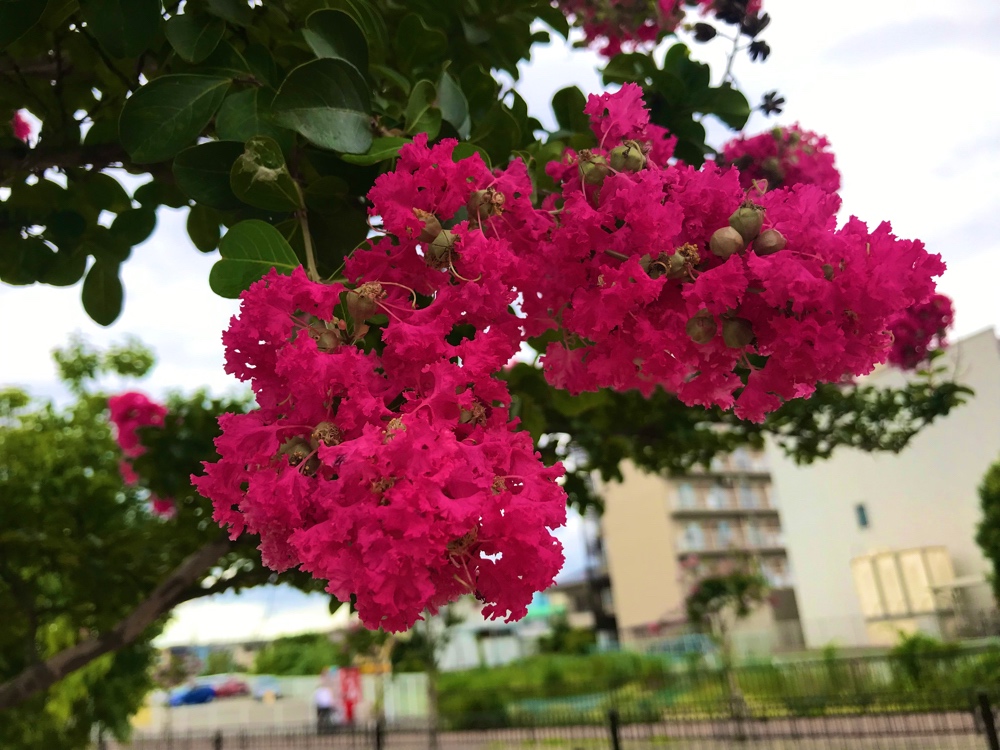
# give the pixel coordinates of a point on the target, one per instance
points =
(645, 297)
(920, 329)
(617, 25)
(383, 458)
(389, 465)
(783, 157)
(128, 412)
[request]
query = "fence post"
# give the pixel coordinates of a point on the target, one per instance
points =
(217, 740)
(379, 734)
(989, 723)
(613, 722)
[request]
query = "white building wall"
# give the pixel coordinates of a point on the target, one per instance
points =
(925, 496)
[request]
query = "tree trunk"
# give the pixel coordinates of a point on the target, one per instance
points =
(162, 599)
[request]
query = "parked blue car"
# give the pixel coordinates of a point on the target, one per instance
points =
(189, 696)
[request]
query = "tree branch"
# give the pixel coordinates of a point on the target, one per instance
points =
(163, 598)
(20, 159)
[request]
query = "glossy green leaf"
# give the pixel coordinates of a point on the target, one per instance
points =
(102, 292)
(369, 20)
(260, 178)
(417, 44)
(244, 114)
(249, 250)
(16, 17)
(730, 106)
(497, 133)
(105, 193)
(65, 268)
(134, 225)
(422, 116)
(334, 34)
(237, 12)
(465, 149)
(454, 105)
(568, 104)
(168, 113)
(382, 149)
(124, 28)
(202, 173)
(193, 36)
(203, 228)
(327, 102)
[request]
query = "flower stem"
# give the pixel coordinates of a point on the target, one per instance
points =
(307, 241)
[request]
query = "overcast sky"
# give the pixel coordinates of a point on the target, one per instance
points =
(904, 89)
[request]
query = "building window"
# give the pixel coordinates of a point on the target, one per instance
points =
(694, 537)
(862, 513)
(748, 498)
(742, 460)
(725, 534)
(686, 496)
(754, 537)
(716, 497)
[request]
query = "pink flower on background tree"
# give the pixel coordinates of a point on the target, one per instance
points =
(20, 126)
(128, 413)
(783, 157)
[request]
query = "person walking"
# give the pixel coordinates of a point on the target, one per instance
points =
(323, 700)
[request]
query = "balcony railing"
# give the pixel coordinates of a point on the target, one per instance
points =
(762, 542)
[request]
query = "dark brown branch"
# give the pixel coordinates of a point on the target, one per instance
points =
(163, 598)
(20, 159)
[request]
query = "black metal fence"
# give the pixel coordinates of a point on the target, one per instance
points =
(709, 726)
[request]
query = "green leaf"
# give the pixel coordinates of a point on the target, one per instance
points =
(124, 28)
(102, 293)
(328, 102)
(104, 192)
(421, 114)
(417, 44)
(134, 225)
(371, 23)
(326, 192)
(568, 104)
(168, 113)
(249, 250)
(202, 173)
(244, 115)
(260, 178)
(334, 34)
(498, 133)
(16, 17)
(454, 105)
(65, 268)
(193, 36)
(203, 228)
(382, 149)
(464, 150)
(730, 106)
(237, 12)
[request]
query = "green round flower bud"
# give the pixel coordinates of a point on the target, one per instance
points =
(593, 167)
(702, 327)
(442, 246)
(628, 157)
(737, 332)
(726, 242)
(748, 221)
(769, 242)
(432, 227)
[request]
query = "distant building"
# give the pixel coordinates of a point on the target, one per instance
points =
(709, 520)
(884, 543)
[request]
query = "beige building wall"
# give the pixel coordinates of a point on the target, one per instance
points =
(924, 497)
(641, 547)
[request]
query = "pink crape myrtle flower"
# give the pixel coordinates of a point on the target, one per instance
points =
(130, 411)
(920, 329)
(165, 507)
(783, 157)
(20, 126)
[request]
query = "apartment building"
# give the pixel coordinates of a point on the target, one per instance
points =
(660, 534)
(883, 543)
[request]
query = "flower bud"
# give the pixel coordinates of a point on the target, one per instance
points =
(628, 157)
(702, 327)
(737, 332)
(593, 167)
(483, 204)
(432, 227)
(747, 220)
(327, 433)
(442, 246)
(828, 272)
(362, 302)
(726, 242)
(769, 242)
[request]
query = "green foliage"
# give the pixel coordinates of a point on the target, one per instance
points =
(988, 531)
(219, 662)
(738, 592)
(920, 660)
(567, 640)
(298, 655)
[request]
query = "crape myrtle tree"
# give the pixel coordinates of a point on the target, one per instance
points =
(398, 226)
